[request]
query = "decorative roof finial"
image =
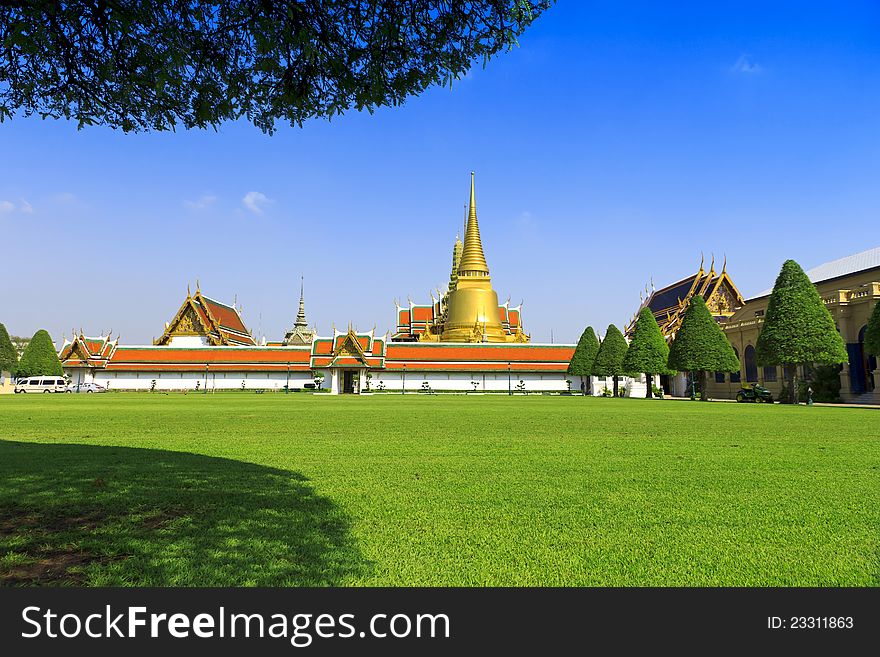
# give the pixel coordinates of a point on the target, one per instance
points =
(712, 266)
(702, 260)
(473, 261)
(198, 287)
(301, 313)
(724, 266)
(188, 293)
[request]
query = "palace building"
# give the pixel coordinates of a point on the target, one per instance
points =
(669, 303)
(464, 341)
(849, 287)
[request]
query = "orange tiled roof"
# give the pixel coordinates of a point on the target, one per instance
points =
(216, 358)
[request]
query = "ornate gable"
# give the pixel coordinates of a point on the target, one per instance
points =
(200, 316)
(349, 346)
(724, 299)
(669, 303)
(191, 322)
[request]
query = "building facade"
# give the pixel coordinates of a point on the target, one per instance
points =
(850, 288)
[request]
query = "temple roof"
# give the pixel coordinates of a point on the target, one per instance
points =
(218, 322)
(87, 350)
(668, 303)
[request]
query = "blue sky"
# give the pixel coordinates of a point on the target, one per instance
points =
(614, 145)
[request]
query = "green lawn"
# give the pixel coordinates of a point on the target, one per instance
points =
(243, 489)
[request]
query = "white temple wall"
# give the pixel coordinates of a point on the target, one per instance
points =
(468, 382)
(188, 341)
(380, 381)
(190, 380)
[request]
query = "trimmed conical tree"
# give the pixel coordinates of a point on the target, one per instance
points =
(798, 329)
(40, 357)
(8, 355)
(584, 355)
(648, 352)
(609, 358)
(700, 345)
(872, 335)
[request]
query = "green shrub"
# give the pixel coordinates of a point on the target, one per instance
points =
(8, 355)
(872, 335)
(700, 345)
(798, 329)
(825, 381)
(609, 358)
(39, 357)
(648, 352)
(584, 354)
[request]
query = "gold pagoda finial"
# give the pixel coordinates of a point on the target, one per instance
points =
(198, 287)
(712, 266)
(188, 293)
(456, 261)
(473, 261)
(702, 260)
(724, 266)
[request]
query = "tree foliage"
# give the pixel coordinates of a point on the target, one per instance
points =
(700, 345)
(155, 65)
(584, 354)
(40, 357)
(648, 352)
(798, 329)
(8, 355)
(872, 335)
(609, 358)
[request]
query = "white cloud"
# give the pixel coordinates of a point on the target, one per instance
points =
(255, 201)
(746, 65)
(26, 207)
(6, 207)
(204, 201)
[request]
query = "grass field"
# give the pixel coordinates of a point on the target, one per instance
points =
(243, 489)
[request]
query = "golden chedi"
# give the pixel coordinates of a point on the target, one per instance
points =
(472, 307)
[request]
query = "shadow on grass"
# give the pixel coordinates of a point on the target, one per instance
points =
(117, 516)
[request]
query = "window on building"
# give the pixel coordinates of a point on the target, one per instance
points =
(719, 377)
(735, 376)
(759, 313)
(770, 374)
(751, 365)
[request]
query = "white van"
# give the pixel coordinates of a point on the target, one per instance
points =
(41, 384)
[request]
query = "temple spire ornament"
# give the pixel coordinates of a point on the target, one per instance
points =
(300, 334)
(301, 314)
(473, 260)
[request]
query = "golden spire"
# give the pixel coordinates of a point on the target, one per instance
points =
(473, 262)
(456, 261)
